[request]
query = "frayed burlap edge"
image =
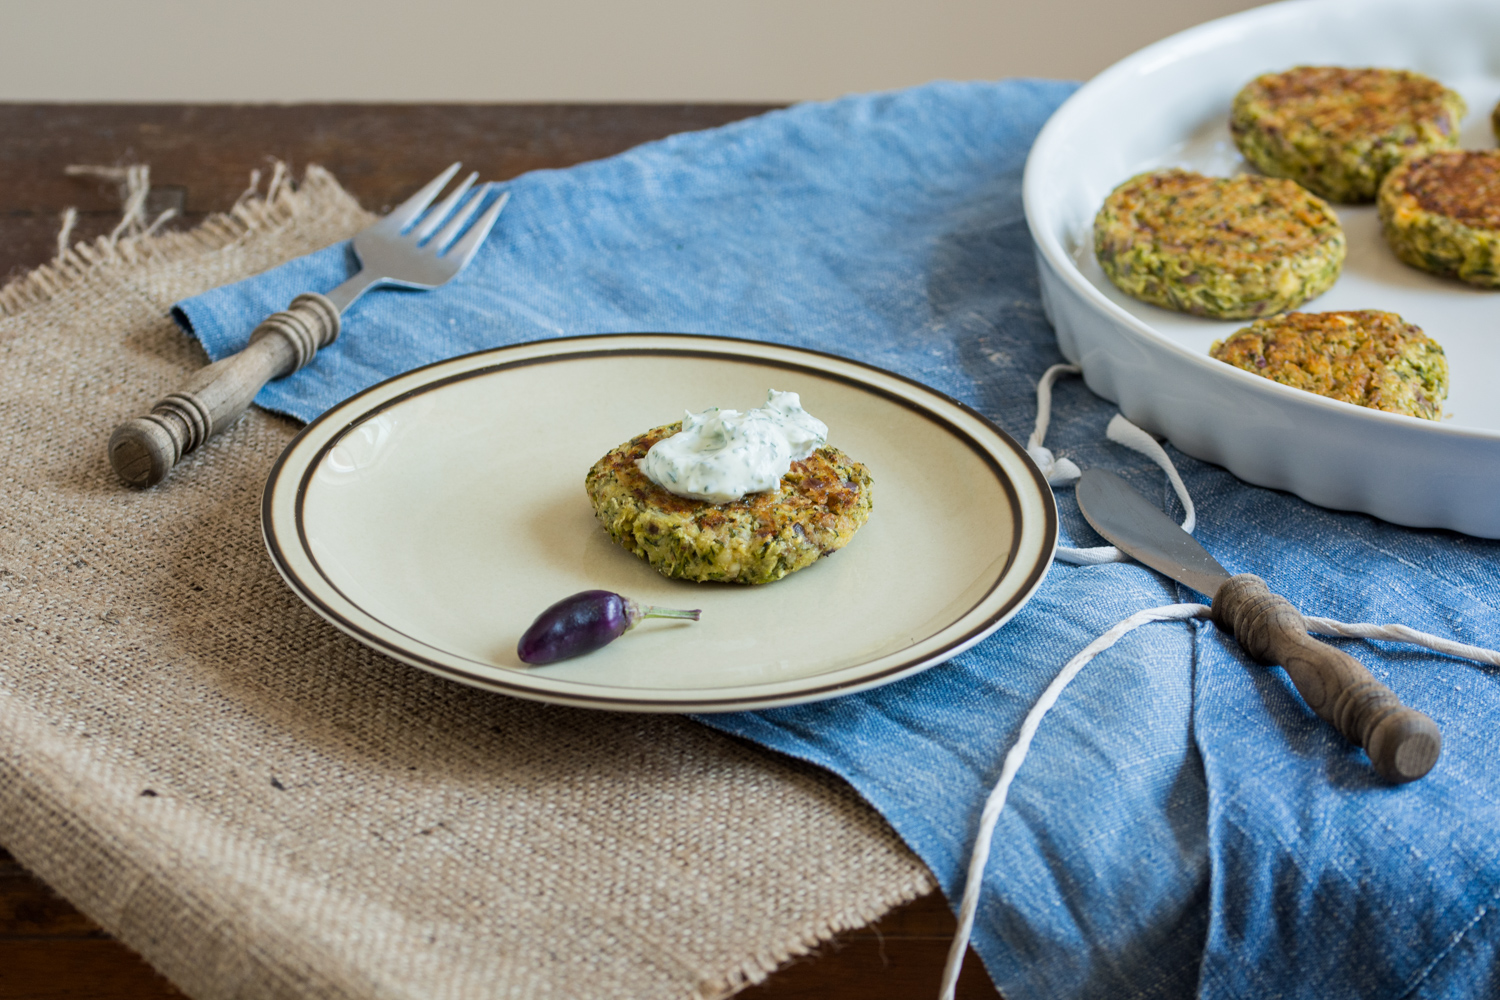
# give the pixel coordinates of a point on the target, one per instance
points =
(282, 205)
(33, 823)
(760, 967)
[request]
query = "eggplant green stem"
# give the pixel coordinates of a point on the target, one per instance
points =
(635, 612)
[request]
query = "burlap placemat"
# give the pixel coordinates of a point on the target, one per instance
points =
(264, 808)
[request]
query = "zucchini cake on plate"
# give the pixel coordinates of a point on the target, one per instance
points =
(819, 504)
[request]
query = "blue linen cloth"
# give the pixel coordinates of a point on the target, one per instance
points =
(1184, 825)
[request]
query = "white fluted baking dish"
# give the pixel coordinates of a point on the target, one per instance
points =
(1168, 105)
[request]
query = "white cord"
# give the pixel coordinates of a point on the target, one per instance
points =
(1063, 472)
(1122, 431)
(1013, 760)
(990, 815)
(1060, 472)
(1400, 633)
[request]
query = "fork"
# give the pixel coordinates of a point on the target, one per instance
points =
(405, 248)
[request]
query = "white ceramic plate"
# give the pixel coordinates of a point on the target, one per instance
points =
(433, 517)
(1168, 105)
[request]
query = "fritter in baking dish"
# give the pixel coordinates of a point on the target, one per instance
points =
(1339, 131)
(1441, 213)
(1225, 247)
(1365, 357)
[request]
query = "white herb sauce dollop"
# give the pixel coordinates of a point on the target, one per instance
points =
(720, 455)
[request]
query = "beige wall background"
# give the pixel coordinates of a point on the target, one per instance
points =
(563, 50)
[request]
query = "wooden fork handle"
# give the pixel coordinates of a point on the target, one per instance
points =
(142, 451)
(1403, 744)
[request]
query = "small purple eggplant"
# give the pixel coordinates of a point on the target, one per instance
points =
(583, 623)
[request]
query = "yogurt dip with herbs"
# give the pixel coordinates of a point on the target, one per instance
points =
(720, 455)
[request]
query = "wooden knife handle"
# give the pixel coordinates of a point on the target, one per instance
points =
(1403, 744)
(142, 451)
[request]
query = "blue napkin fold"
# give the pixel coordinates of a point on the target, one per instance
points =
(1184, 825)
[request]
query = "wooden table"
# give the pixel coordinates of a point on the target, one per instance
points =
(200, 159)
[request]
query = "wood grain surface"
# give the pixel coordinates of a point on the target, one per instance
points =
(200, 158)
(201, 155)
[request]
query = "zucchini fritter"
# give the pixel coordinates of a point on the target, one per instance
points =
(1338, 131)
(1225, 247)
(822, 501)
(1365, 357)
(1441, 213)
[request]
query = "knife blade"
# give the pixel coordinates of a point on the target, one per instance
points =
(1402, 743)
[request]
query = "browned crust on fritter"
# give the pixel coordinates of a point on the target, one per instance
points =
(1364, 356)
(1338, 130)
(1267, 219)
(1227, 247)
(1441, 213)
(810, 486)
(1387, 98)
(1463, 185)
(820, 503)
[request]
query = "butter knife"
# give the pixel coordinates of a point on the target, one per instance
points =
(1402, 743)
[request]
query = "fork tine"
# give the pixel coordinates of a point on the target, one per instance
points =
(465, 248)
(460, 219)
(405, 213)
(435, 218)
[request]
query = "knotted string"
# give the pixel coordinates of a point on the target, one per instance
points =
(1061, 471)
